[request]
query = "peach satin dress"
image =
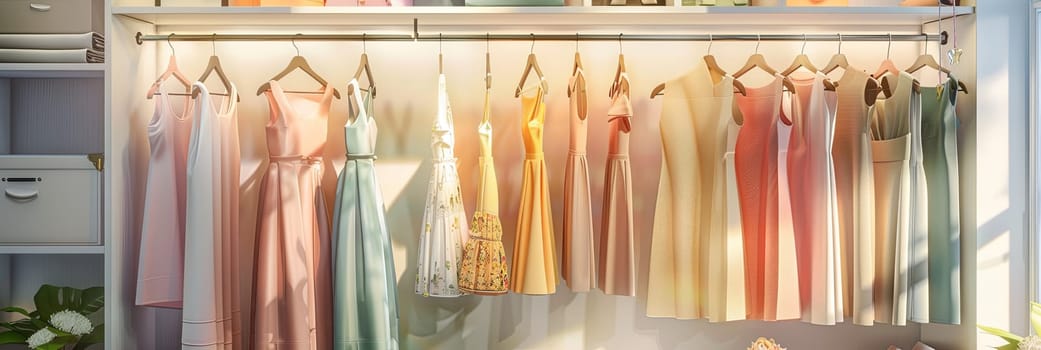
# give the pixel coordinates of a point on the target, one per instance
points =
(577, 261)
(534, 269)
(292, 305)
(616, 271)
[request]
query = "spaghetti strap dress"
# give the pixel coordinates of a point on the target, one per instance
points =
(891, 150)
(940, 158)
(534, 269)
(811, 186)
(854, 184)
(616, 271)
(484, 269)
(211, 315)
(688, 267)
(365, 302)
(756, 168)
(577, 260)
(444, 229)
(292, 305)
(160, 277)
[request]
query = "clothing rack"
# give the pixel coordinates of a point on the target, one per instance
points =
(416, 36)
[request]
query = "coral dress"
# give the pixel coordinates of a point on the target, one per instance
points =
(855, 186)
(688, 264)
(211, 316)
(444, 221)
(617, 261)
(940, 151)
(292, 306)
(577, 260)
(811, 185)
(365, 299)
(160, 276)
(534, 267)
(484, 269)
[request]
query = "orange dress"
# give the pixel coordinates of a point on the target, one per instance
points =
(616, 271)
(534, 267)
(292, 304)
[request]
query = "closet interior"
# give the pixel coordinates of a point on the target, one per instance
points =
(90, 108)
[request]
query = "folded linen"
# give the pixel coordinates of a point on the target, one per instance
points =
(51, 56)
(92, 41)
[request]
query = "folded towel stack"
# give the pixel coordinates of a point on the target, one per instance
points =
(52, 48)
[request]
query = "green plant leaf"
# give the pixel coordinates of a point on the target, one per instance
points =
(1008, 336)
(24, 327)
(12, 337)
(96, 336)
(51, 299)
(92, 300)
(1009, 346)
(16, 310)
(1035, 317)
(53, 345)
(48, 301)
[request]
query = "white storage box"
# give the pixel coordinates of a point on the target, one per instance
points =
(50, 200)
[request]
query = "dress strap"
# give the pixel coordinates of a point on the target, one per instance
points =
(278, 96)
(361, 115)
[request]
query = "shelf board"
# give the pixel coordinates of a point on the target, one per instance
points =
(51, 249)
(52, 70)
(556, 16)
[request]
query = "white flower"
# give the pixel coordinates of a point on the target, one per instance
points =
(71, 322)
(40, 338)
(1030, 343)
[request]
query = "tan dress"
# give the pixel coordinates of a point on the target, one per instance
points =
(534, 268)
(854, 184)
(616, 271)
(688, 268)
(577, 262)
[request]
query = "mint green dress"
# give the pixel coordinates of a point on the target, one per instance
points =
(940, 158)
(365, 306)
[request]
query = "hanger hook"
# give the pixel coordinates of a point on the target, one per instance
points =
(294, 45)
(532, 50)
(619, 43)
(758, 40)
(890, 47)
(710, 43)
(440, 43)
(213, 44)
(840, 43)
(576, 42)
(364, 47)
(803, 52)
(487, 42)
(169, 42)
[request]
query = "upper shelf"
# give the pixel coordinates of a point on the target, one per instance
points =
(52, 70)
(557, 16)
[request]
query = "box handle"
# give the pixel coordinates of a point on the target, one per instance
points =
(21, 194)
(39, 7)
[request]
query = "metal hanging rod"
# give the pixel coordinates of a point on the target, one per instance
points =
(942, 37)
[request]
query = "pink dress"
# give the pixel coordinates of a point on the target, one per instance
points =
(161, 264)
(578, 264)
(811, 182)
(292, 306)
(617, 269)
(755, 163)
(211, 316)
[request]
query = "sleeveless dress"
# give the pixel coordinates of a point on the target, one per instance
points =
(688, 269)
(484, 269)
(854, 184)
(577, 260)
(756, 168)
(789, 306)
(211, 316)
(940, 156)
(365, 302)
(811, 185)
(616, 271)
(292, 305)
(733, 240)
(160, 271)
(534, 267)
(918, 261)
(444, 230)
(891, 150)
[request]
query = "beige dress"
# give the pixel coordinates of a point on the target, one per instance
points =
(616, 270)
(688, 270)
(577, 262)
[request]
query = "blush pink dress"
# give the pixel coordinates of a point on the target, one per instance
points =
(616, 271)
(577, 262)
(811, 185)
(292, 307)
(161, 264)
(211, 316)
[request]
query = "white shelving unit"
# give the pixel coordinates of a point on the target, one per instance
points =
(52, 249)
(52, 70)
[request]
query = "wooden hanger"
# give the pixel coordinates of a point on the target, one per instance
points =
(837, 61)
(715, 69)
(298, 62)
(488, 62)
(213, 65)
(927, 60)
(757, 60)
(803, 61)
(171, 71)
(363, 67)
(887, 65)
(581, 81)
(616, 84)
(532, 64)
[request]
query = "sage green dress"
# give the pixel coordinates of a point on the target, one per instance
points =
(940, 158)
(365, 314)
